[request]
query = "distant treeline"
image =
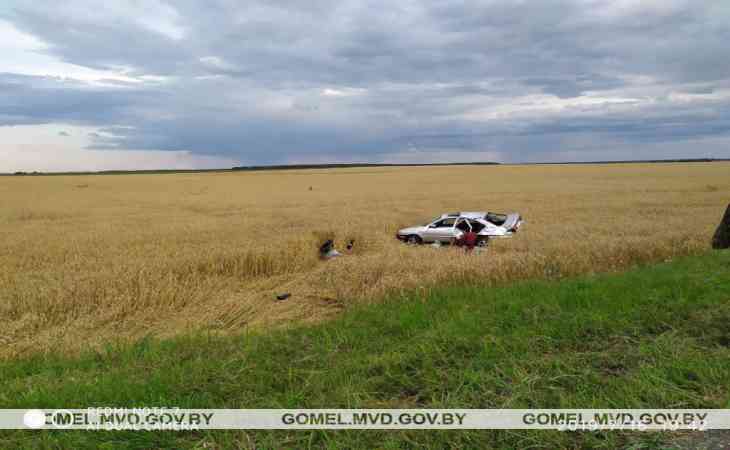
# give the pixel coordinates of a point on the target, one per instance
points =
(355, 165)
(635, 161)
(248, 168)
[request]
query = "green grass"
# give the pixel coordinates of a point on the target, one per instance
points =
(652, 337)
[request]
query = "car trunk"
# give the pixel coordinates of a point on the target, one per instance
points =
(512, 222)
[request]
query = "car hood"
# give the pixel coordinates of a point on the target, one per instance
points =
(411, 230)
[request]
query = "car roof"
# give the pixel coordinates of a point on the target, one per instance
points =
(466, 214)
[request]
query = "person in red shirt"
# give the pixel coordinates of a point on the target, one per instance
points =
(470, 240)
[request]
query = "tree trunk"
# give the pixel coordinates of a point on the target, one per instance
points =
(722, 235)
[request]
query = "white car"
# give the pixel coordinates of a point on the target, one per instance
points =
(451, 227)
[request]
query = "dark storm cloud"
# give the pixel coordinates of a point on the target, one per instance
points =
(276, 81)
(37, 100)
(87, 40)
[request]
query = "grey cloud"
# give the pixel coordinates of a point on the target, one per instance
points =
(100, 45)
(574, 86)
(36, 100)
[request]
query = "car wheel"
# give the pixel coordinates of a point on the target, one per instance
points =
(413, 239)
(483, 241)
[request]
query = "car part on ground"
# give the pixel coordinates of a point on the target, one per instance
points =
(327, 250)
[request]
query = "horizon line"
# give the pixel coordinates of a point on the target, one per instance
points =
(274, 167)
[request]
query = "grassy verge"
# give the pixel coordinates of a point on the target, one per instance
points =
(651, 337)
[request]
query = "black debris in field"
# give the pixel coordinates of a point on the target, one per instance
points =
(721, 239)
(326, 247)
(327, 250)
(283, 296)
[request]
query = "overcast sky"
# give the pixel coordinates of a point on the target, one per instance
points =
(89, 85)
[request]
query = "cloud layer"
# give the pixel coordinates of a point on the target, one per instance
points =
(284, 81)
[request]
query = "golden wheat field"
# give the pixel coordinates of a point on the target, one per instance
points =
(86, 259)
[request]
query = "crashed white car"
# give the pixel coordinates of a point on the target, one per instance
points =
(449, 228)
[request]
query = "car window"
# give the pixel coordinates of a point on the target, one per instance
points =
(448, 222)
(476, 226)
(464, 225)
(495, 218)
